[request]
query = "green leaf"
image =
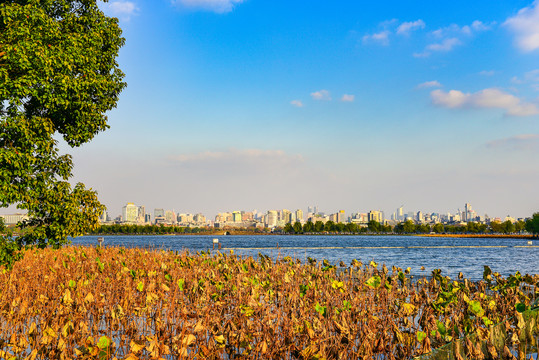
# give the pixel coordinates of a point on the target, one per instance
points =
(140, 286)
(374, 282)
(72, 284)
(421, 336)
(441, 328)
(181, 283)
(103, 342)
(521, 307)
(320, 309)
(475, 307)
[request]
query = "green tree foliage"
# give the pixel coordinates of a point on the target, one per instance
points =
(409, 226)
(319, 226)
(297, 227)
(288, 228)
(58, 78)
(438, 228)
(532, 224)
(496, 227)
(508, 227)
(374, 226)
(308, 227)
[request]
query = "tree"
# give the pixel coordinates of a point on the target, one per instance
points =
(288, 228)
(58, 78)
(409, 226)
(438, 228)
(319, 226)
(508, 227)
(373, 226)
(297, 227)
(308, 227)
(532, 224)
(496, 227)
(520, 225)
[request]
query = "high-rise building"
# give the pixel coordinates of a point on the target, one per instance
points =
(340, 216)
(130, 213)
(286, 216)
(271, 218)
(299, 215)
(170, 217)
(400, 213)
(375, 215)
(142, 213)
(158, 213)
(236, 216)
(467, 212)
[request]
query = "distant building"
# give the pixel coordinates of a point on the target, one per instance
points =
(375, 215)
(236, 217)
(130, 213)
(286, 216)
(158, 213)
(272, 218)
(170, 217)
(14, 219)
(299, 215)
(340, 216)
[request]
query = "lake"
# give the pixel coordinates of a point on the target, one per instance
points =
(451, 255)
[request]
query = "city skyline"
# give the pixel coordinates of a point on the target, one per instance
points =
(133, 213)
(242, 104)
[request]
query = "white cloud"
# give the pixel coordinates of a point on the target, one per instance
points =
(122, 9)
(321, 95)
(381, 37)
(455, 30)
(406, 27)
(487, 98)
(429, 84)
(423, 54)
(218, 6)
(445, 45)
(517, 142)
(525, 25)
(487, 72)
(296, 103)
(532, 76)
(348, 98)
(481, 26)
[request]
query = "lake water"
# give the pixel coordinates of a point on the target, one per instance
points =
(452, 255)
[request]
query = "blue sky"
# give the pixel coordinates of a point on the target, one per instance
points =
(251, 104)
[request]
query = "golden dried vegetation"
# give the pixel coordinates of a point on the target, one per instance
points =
(106, 303)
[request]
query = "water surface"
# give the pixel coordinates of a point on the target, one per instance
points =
(452, 255)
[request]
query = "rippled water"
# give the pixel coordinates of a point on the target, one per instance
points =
(452, 255)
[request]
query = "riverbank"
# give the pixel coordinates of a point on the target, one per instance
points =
(481, 236)
(253, 233)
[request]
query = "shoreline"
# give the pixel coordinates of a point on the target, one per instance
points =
(247, 233)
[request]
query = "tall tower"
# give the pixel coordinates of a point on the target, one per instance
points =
(299, 215)
(400, 213)
(467, 212)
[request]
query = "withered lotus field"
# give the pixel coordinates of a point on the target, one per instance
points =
(106, 303)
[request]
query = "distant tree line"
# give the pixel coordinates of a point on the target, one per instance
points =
(146, 229)
(409, 227)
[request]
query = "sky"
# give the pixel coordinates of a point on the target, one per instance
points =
(257, 104)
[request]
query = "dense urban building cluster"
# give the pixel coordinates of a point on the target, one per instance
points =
(137, 215)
